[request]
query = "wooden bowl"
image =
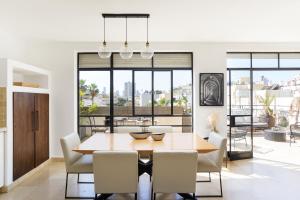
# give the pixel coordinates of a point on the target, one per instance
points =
(140, 135)
(158, 136)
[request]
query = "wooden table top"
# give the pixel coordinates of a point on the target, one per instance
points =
(124, 142)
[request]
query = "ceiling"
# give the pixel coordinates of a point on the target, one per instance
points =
(171, 20)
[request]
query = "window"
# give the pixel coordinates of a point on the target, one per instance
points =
(238, 60)
(290, 60)
(182, 92)
(94, 98)
(162, 93)
(135, 92)
(143, 92)
(123, 92)
(264, 60)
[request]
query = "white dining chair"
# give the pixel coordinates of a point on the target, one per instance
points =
(160, 129)
(115, 172)
(127, 129)
(174, 172)
(75, 163)
(213, 161)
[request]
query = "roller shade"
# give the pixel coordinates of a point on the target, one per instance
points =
(173, 60)
(92, 60)
(135, 61)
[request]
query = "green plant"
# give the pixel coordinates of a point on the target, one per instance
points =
(162, 102)
(283, 122)
(121, 101)
(266, 102)
(93, 108)
(93, 90)
(82, 85)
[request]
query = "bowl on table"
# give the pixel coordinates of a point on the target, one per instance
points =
(158, 136)
(140, 135)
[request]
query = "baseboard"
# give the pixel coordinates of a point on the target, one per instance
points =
(57, 159)
(29, 174)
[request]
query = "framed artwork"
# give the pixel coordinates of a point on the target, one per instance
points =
(211, 89)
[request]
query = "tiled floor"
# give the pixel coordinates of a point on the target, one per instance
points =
(255, 179)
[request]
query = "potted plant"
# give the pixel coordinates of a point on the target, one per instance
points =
(266, 102)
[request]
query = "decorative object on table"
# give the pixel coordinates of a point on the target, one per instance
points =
(140, 135)
(158, 136)
(211, 89)
(212, 120)
(26, 84)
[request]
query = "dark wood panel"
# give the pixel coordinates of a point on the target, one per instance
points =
(42, 128)
(23, 134)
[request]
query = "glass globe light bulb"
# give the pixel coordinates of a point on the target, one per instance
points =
(126, 52)
(147, 52)
(104, 51)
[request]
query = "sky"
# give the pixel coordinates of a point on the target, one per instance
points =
(162, 80)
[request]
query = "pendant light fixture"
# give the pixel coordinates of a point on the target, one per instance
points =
(104, 51)
(125, 51)
(147, 52)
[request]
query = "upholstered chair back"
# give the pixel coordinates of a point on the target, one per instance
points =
(220, 142)
(68, 143)
(174, 172)
(115, 172)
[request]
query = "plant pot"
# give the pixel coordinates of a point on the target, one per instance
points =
(271, 121)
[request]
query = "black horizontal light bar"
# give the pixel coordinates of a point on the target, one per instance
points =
(126, 15)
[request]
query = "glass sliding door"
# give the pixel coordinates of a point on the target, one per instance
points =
(240, 134)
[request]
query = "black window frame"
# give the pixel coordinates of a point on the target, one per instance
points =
(236, 155)
(153, 69)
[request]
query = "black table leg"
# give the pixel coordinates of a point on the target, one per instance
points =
(145, 167)
(187, 196)
(103, 196)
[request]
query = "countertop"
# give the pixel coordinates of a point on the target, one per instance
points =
(2, 129)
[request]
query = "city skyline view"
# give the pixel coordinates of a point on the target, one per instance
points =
(143, 78)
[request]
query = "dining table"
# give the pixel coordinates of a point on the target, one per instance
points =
(124, 142)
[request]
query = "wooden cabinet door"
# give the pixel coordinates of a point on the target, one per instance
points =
(23, 134)
(41, 128)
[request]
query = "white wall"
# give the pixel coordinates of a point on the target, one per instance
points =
(59, 58)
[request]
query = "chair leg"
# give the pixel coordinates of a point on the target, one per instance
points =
(151, 191)
(221, 190)
(83, 182)
(135, 196)
(95, 197)
(209, 179)
(66, 191)
(221, 184)
(154, 196)
(66, 188)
